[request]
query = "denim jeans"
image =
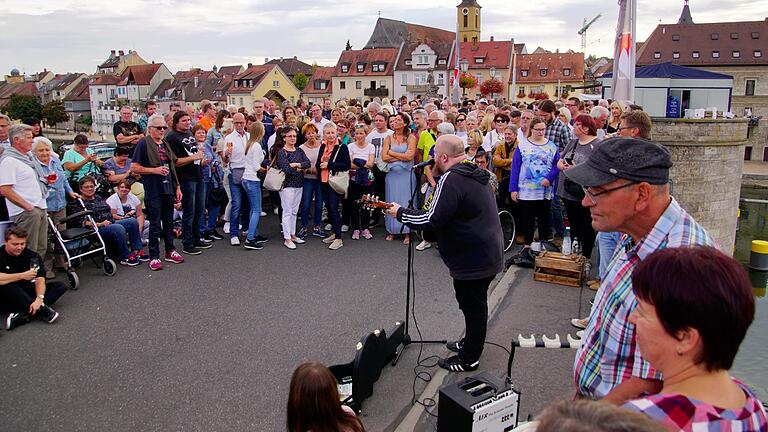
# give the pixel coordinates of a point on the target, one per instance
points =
(133, 231)
(160, 214)
(606, 244)
(311, 189)
(236, 194)
(331, 199)
(556, 219)
(213, 212)
(192, 204)
(253, 189)
(114, 238)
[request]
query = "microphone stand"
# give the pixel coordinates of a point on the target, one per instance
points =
(407, 340)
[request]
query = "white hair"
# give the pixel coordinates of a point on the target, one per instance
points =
(599, 111)
(155, 119)
(41, 141)
(446, 128)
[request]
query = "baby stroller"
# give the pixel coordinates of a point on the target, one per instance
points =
(80, 242)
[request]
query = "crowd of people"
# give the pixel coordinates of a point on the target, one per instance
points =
(653, 340)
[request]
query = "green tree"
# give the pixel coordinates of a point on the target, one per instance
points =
(300, 81)
(348, 47)
(53, 112)
(22, 107)
(87, 120)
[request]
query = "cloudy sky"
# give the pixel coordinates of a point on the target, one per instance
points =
(77, 35)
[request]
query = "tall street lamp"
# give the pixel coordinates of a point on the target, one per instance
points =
(493, 77)
(464, 65)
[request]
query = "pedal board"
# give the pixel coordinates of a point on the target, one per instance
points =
(481, 403)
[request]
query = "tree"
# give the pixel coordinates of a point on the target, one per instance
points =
(348, 47)
(53, 113)
(300, 81)
(22, 107)
(491, 86)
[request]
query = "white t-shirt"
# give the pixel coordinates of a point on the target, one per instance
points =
(237, 159)
(376, 138)
(356, 152)
(131, 203)
(253, 162)
(24, 182)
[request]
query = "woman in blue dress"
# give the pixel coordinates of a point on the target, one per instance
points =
(398, 151)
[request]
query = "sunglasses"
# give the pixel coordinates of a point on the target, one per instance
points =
(500, 121)
(160, 127)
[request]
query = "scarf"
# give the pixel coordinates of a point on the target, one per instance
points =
(12, 153)
(153, 154)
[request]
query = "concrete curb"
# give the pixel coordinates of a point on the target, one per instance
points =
(500, 290)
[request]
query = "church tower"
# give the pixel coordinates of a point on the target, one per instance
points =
(468, 19)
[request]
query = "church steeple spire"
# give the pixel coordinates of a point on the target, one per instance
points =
(685, 16)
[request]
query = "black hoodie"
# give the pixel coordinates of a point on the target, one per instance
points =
(464, 218)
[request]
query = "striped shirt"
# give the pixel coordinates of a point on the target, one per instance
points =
(609, 354)
(680, 413)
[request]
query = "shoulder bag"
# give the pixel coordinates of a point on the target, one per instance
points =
(339, 181)
(275, 177)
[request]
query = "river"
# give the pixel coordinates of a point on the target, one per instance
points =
(751, 365)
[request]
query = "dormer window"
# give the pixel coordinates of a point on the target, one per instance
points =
(675, 37)
(757, 53)
(441, 62)
(714, 36)
(408, 62)
(422, 60)
(543, 72)
(755, 35)
(734, 36)
(715, 54)
(735, 53)
(378, 67)
(361, 67)
(566, 72)
(695, 54)
(675, 55)
(345, 68)
(479, 60)
(524, 72)
(657, 55)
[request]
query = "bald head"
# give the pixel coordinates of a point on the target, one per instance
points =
(450, 145)
(239, 122)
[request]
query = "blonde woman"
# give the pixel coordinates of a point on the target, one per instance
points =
(617, 108)
(254, 156)
(486, 124)
(474, 143)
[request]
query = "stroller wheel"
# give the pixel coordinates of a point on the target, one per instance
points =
(74, 281)
(109, 267)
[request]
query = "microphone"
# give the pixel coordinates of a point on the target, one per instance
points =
(429, 163)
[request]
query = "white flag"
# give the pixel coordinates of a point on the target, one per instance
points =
(624, 59)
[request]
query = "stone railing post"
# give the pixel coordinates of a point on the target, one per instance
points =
(708, 158)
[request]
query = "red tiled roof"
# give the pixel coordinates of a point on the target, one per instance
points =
(80, 92)
(554, 63)
(255, 74)
(292, 66)
(9, 89)
(229, 71)
(141, 74)
(368, 57)
(493, 53)
(746, 37)
(190, 74)
(321, 74)
(105, 80)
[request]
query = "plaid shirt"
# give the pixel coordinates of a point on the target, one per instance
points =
(679, 413)
(559, 133)
(609, 354)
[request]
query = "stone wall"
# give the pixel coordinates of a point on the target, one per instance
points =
(708, 160)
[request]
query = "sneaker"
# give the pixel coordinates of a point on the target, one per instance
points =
(318, 232)
(330, 239)
(275, 211)
(226, 227)
(207, 237)
(289, 244)
(155, 264)
(328, 227)
(205, 240)
(298, 240)
(203, 245)
(174, 257)
(336, 244)
(423, 245)
(580, 323)
(580, 334)
(142, 256)
(47, 314)
(260, 239)
(215, 235)
(367, 234)
(244, 233)
(263, 213)
(344, 228)
(191, 250)
(455, 364)
(234, 241)
(14, 320)
(302, 233)
(253, 245)
(455, 346)
(356, 235)
(130, 260)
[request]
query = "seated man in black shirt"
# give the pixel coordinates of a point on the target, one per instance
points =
(24, 293)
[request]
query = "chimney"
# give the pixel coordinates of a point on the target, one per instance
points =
(295, 58)
(196, 81)
(281, 58)
(250, 65)
(491, 38)
(121, 52)
(112, 53)
(266, 60)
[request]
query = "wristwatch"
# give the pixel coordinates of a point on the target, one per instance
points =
(41, 297)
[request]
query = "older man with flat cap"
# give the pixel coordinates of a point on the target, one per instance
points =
(626, 183)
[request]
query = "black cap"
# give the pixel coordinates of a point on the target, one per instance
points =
(633, 159)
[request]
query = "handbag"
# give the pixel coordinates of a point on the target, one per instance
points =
(339, 181)
(275, 178)
(569, 185)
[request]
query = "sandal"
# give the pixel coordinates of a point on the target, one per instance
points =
(389, 237)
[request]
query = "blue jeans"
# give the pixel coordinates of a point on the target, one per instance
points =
(311, 189)
(331, 199)
(114, 236)
(556, 219)
(213, 213)
(236, 192)
(192, 204)
(253, 189)
(160, 216)
(606, 245)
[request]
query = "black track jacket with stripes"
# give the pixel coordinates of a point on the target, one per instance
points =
(464, 218)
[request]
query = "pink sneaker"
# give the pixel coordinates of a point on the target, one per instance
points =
(356, 235)
(367, 234)
(155, 265)
(174, 257)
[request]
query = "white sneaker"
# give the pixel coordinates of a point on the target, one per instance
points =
(344, 228)
(580, 323)
(336, 244)
(234, 241)
(298, 240)
(423, 245)
(263, 214)
(330, 239)
(289, 244)
(328, 227)
(226, 228)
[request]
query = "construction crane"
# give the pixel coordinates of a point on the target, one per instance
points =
(583, 31)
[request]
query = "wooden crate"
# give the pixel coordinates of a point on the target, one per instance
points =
(557, 268)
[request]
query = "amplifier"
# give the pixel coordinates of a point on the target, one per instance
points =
(481, 403)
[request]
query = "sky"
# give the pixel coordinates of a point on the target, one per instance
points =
(77, 35)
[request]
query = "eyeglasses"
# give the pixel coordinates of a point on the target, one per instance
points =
(593, 195)
(160, 127)
(540, 129)
(625, 127)
(239, 122)
(500, 121)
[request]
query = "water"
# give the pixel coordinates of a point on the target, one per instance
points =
(751, 365)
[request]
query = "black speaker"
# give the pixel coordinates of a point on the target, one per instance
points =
(481, 403)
